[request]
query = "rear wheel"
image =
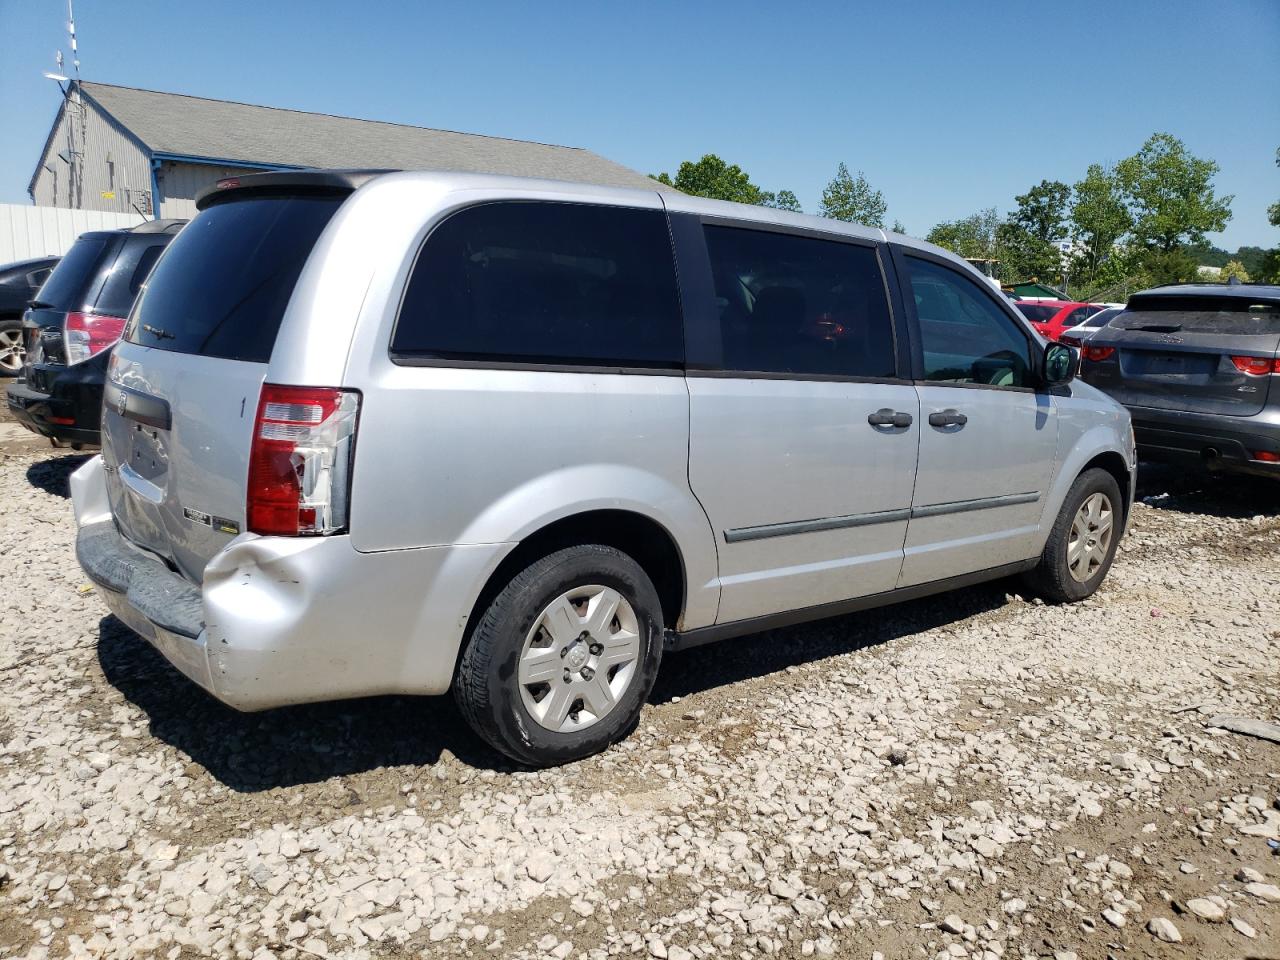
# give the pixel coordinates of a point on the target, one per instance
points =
(560, 663)
(1083, 541)
(11, 351)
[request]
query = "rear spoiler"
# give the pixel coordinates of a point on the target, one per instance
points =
(287, 182)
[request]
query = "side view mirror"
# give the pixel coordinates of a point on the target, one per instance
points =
(1061, 363)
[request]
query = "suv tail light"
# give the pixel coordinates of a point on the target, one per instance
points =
(300, 461)
(1256, 366)
(86, 335)
(1096, 354)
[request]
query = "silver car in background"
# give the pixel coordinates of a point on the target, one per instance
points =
(377, 432)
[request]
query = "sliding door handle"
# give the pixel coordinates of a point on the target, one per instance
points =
(947, 418)
(884, 417)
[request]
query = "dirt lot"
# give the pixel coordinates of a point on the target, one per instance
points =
(972, 775)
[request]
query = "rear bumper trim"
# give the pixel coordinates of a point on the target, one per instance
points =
(163, 597)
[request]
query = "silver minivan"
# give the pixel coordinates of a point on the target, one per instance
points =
(374, 432)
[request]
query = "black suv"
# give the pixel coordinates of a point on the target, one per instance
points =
(1198, 366)
(18, 284)
(74, 320)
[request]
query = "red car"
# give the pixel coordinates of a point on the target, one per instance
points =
(1053, 317)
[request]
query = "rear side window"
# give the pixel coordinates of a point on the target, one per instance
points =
(799, 305)
(547, 283)
(65, 288)
(222, 287)
(122, 283)
(1078, 316)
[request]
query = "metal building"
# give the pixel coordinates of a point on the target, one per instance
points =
(141, 151)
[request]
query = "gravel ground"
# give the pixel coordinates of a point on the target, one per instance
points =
(972, 775)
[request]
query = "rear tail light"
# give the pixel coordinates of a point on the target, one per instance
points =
(1257, 366)
(1096, 354)
(86, 335)
(300, 461)
(1071, 341)
(1266, 456)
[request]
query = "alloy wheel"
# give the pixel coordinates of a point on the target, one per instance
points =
(11, 351)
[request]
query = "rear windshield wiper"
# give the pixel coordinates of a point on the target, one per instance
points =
(1156, 327)
(158, 332)
(38, 305)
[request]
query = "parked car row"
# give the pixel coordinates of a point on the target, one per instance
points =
(72, 322)
(18, 285)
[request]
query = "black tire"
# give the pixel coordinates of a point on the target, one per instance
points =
(8, 325)
(1052, 578)
(486, 686)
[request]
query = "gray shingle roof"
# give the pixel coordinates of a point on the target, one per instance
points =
(223, 130)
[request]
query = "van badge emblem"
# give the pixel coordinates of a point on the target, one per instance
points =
(122, 403)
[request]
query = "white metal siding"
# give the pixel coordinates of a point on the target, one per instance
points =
(49, 231)
(104, 142)
(181, 183)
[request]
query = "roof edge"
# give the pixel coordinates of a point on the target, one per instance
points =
(334, 116)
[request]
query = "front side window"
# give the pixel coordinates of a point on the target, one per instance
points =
(553, 283)
(800, 305)
(966, 337)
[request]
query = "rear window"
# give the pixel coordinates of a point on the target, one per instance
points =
(65, 288)
(1226, 315)
(1104, 317)
(133, 263)
(222, 287)
(550, 283)
(1036, 312)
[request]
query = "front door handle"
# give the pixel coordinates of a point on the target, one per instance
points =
(884, 417)
(947, 418)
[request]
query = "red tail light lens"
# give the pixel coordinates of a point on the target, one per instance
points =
(86, 335)
(1096, 354)
(1256, 366)
(300, 461)
(1266, 456)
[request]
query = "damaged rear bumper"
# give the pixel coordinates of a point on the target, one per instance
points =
(287, 620)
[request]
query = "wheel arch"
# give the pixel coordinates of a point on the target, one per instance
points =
(1114, 463)
(644, 539)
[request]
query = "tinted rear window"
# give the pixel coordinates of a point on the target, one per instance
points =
(552, 283)
(133, 263)
(222, 287)
(1037, 312)
(1226, 315)
(65, 288)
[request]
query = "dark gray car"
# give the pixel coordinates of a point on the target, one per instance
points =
(1198, 366)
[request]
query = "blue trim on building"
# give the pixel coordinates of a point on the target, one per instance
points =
(155, 189)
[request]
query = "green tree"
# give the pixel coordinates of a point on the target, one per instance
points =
(1170, 194)
(898, 227)
(1042, 210)
(974, 236)
(1273, 211)
(783, 200)
(712, 177)
(851, 199)
(1234, 268)
(1099, 219)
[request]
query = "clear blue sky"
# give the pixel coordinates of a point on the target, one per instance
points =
(948, 107)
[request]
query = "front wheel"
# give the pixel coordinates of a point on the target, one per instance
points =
(1083, 541)
(560, 663)
(11, 352)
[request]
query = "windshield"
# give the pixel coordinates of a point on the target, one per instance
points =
(1226, 315)
(1037, 312)
(1104, 317)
